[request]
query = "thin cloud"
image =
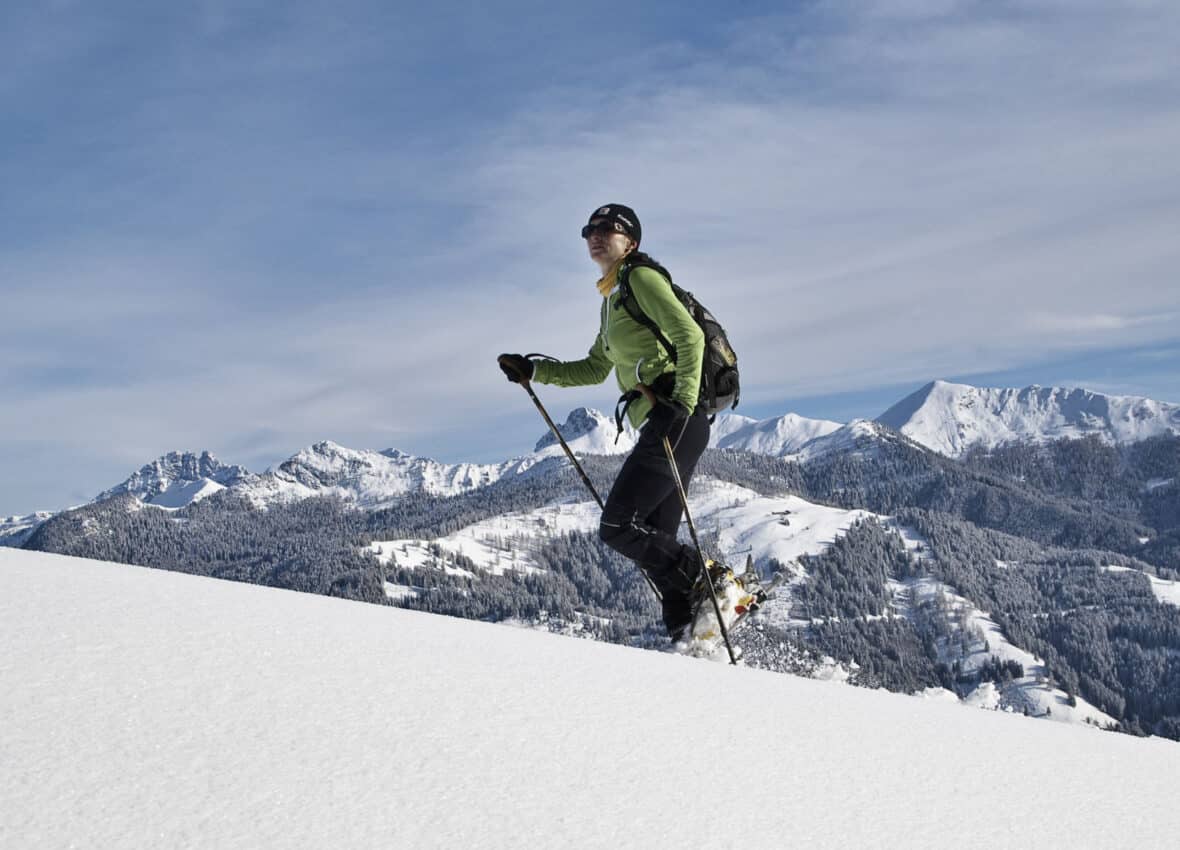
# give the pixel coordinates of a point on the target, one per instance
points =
(263, 231)
(929, 217)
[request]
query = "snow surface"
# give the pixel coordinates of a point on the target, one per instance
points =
(179, 494)
(143, 708)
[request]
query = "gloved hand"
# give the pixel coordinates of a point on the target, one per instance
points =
(517, 368)
(666, 418)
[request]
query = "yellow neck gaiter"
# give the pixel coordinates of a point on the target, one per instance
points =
(607, 282)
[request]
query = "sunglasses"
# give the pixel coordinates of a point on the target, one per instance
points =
(605, 227)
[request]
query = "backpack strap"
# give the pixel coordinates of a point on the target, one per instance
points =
(621, 407)
(628, 302)
(627, 299)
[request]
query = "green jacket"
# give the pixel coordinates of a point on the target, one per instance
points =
(633, 350)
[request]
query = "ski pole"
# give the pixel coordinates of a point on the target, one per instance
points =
(581, 472)
(692, 530)
(568, 452)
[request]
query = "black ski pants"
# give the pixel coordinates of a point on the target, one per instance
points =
(642, 513)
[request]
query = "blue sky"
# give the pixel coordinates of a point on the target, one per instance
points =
(245, 227)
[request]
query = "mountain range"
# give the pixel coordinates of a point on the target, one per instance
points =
(950, 419)
(953, 419)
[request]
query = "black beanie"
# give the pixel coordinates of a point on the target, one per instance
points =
(624, 216)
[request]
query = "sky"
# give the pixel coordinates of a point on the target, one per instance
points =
(247, 227)
(149, 708)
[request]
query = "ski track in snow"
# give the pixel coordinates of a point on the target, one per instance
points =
(144, 708)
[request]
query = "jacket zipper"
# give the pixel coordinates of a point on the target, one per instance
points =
(606, 321)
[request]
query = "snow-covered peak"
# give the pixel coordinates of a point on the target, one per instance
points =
(727, 424)
(369, 479)
(178, 478)
(952, 418)
(327, 463)
(860, 438)
(587, 431)
(15, 530)
(780, 436)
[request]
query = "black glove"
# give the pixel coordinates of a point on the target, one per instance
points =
(518, 369)
(666, 418)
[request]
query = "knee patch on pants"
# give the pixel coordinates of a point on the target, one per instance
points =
(623, 532)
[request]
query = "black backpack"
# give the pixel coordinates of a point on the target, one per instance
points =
(720, 385)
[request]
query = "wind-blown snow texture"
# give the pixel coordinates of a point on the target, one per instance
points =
(143, 708)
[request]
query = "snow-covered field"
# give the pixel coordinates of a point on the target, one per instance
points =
(745, 523)
(502, 543)
(142, 708)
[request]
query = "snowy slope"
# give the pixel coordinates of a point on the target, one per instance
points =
(746, 523)
(861, 438)
(502, 543)
(975, 640)
(726, 424)
(144, 708)
(951, 418)
(782, 435)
